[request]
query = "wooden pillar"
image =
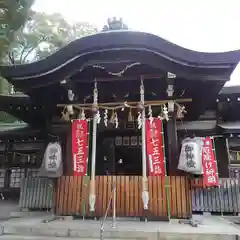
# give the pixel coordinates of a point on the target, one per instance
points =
(172, 140)
(68, 161)
(221, 150)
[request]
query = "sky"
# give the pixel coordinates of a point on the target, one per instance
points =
(201, 25)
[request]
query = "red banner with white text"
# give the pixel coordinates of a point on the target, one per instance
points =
(155, 147)
(79, 147)
(210, 174)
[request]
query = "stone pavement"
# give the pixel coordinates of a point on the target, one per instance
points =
(34, 228)
(6, 208)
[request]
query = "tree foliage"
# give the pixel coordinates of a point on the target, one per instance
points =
(44, 34)
(13, 15)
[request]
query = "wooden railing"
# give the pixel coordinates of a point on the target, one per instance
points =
(222, 199)
(36, 193)
(72, 196)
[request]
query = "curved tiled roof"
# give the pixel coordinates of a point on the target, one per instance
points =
(170, 56)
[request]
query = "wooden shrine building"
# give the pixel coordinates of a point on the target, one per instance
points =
(117, 80)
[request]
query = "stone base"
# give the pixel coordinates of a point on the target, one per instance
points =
(34, 229)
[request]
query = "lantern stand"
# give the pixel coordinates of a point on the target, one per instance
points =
(191, 221)
(53, 217)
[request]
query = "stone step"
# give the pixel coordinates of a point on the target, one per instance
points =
(155, 237)
(13, 237)
(35, 229)
(22, 214)
(24, 233)
(82, 233)
(18, 237)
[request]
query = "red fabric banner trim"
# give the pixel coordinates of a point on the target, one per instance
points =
(210, 175)
(79, 147)
(155, 148)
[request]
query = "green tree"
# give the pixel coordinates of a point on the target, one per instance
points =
(13, 15)
(44, 34)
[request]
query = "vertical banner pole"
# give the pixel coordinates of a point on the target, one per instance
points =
(166, 176)
(145, 195)
(219, 187)
(85, 181)
(92, 195)
(170, 91)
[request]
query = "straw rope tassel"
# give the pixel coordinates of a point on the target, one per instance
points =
(166, 176)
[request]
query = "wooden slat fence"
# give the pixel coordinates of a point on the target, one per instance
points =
(72, 196)
(224, 199)
(180, 197)
(36, 193)
(128, 195)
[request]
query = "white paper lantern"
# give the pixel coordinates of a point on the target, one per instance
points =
(190, 159)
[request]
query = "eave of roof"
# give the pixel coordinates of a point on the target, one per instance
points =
(6, 127)
(170, 56)
(229, 127)
(230, 90)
